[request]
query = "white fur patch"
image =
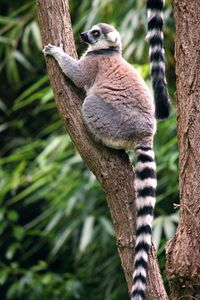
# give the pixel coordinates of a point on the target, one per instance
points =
(141, 254)
(144, 220)
(142, 165)
(144, 152)
(95, 27)
(114, 37)
(146, 237)
(141, 184)
(138, 297)
(159, 64)
(139, 285)
(155, 49)
(138, 271)
(154, 32)
(147, 201)
(101, 44)
(151, 13)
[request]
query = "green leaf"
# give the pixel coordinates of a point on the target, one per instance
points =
(87, 233)
(107, 225)
(18, 232)
(63, 236)
(157, 231)
(54, 221)
(3, 276)
(36, 34)
(169, 228)
(12, 216)
(22, 59)
(32, 89)
(12, 250)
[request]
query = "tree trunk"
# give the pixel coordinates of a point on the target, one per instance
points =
(112, 168)
(183, 251)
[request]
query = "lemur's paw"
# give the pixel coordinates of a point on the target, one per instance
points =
(50, 49)
(61, 46)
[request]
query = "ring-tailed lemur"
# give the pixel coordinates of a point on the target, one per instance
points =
(119, 111)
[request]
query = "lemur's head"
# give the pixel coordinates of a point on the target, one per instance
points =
(101, 36)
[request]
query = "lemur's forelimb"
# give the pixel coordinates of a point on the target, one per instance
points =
(69, 65)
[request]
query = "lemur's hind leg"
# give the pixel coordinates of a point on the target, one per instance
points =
(117, 127)
(103, 120)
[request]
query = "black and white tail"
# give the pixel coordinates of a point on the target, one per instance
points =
(145, 185)
(157, 60)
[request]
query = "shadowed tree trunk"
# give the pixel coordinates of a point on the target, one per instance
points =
(112, 168)
(183, 251)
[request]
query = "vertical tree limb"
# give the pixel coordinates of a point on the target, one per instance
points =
(183, 251)
(112, 168)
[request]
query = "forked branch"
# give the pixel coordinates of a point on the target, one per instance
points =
(112, 168)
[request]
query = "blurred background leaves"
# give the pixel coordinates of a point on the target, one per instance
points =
(57, 240)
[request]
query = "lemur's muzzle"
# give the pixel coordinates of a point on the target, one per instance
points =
(84, 37)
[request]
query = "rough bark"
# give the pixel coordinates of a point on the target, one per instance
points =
(183, 251)
(112, 168)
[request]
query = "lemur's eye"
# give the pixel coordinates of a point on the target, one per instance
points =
(96, 33)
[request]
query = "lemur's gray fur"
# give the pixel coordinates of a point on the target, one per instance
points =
(119, 108)
(119, 111)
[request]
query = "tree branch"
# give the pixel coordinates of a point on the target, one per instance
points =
(183, 251)
(112, 168)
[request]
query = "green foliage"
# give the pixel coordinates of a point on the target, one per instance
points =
(57, 240)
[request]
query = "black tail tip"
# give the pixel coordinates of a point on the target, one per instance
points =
(162, 102)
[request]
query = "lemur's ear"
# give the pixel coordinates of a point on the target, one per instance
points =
(114, 37)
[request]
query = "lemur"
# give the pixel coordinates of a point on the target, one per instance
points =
(120, 112)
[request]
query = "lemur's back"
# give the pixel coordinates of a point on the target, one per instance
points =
(115, 110)
(119, 83)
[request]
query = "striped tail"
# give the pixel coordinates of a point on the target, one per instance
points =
(156, 55)
(145, 185)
